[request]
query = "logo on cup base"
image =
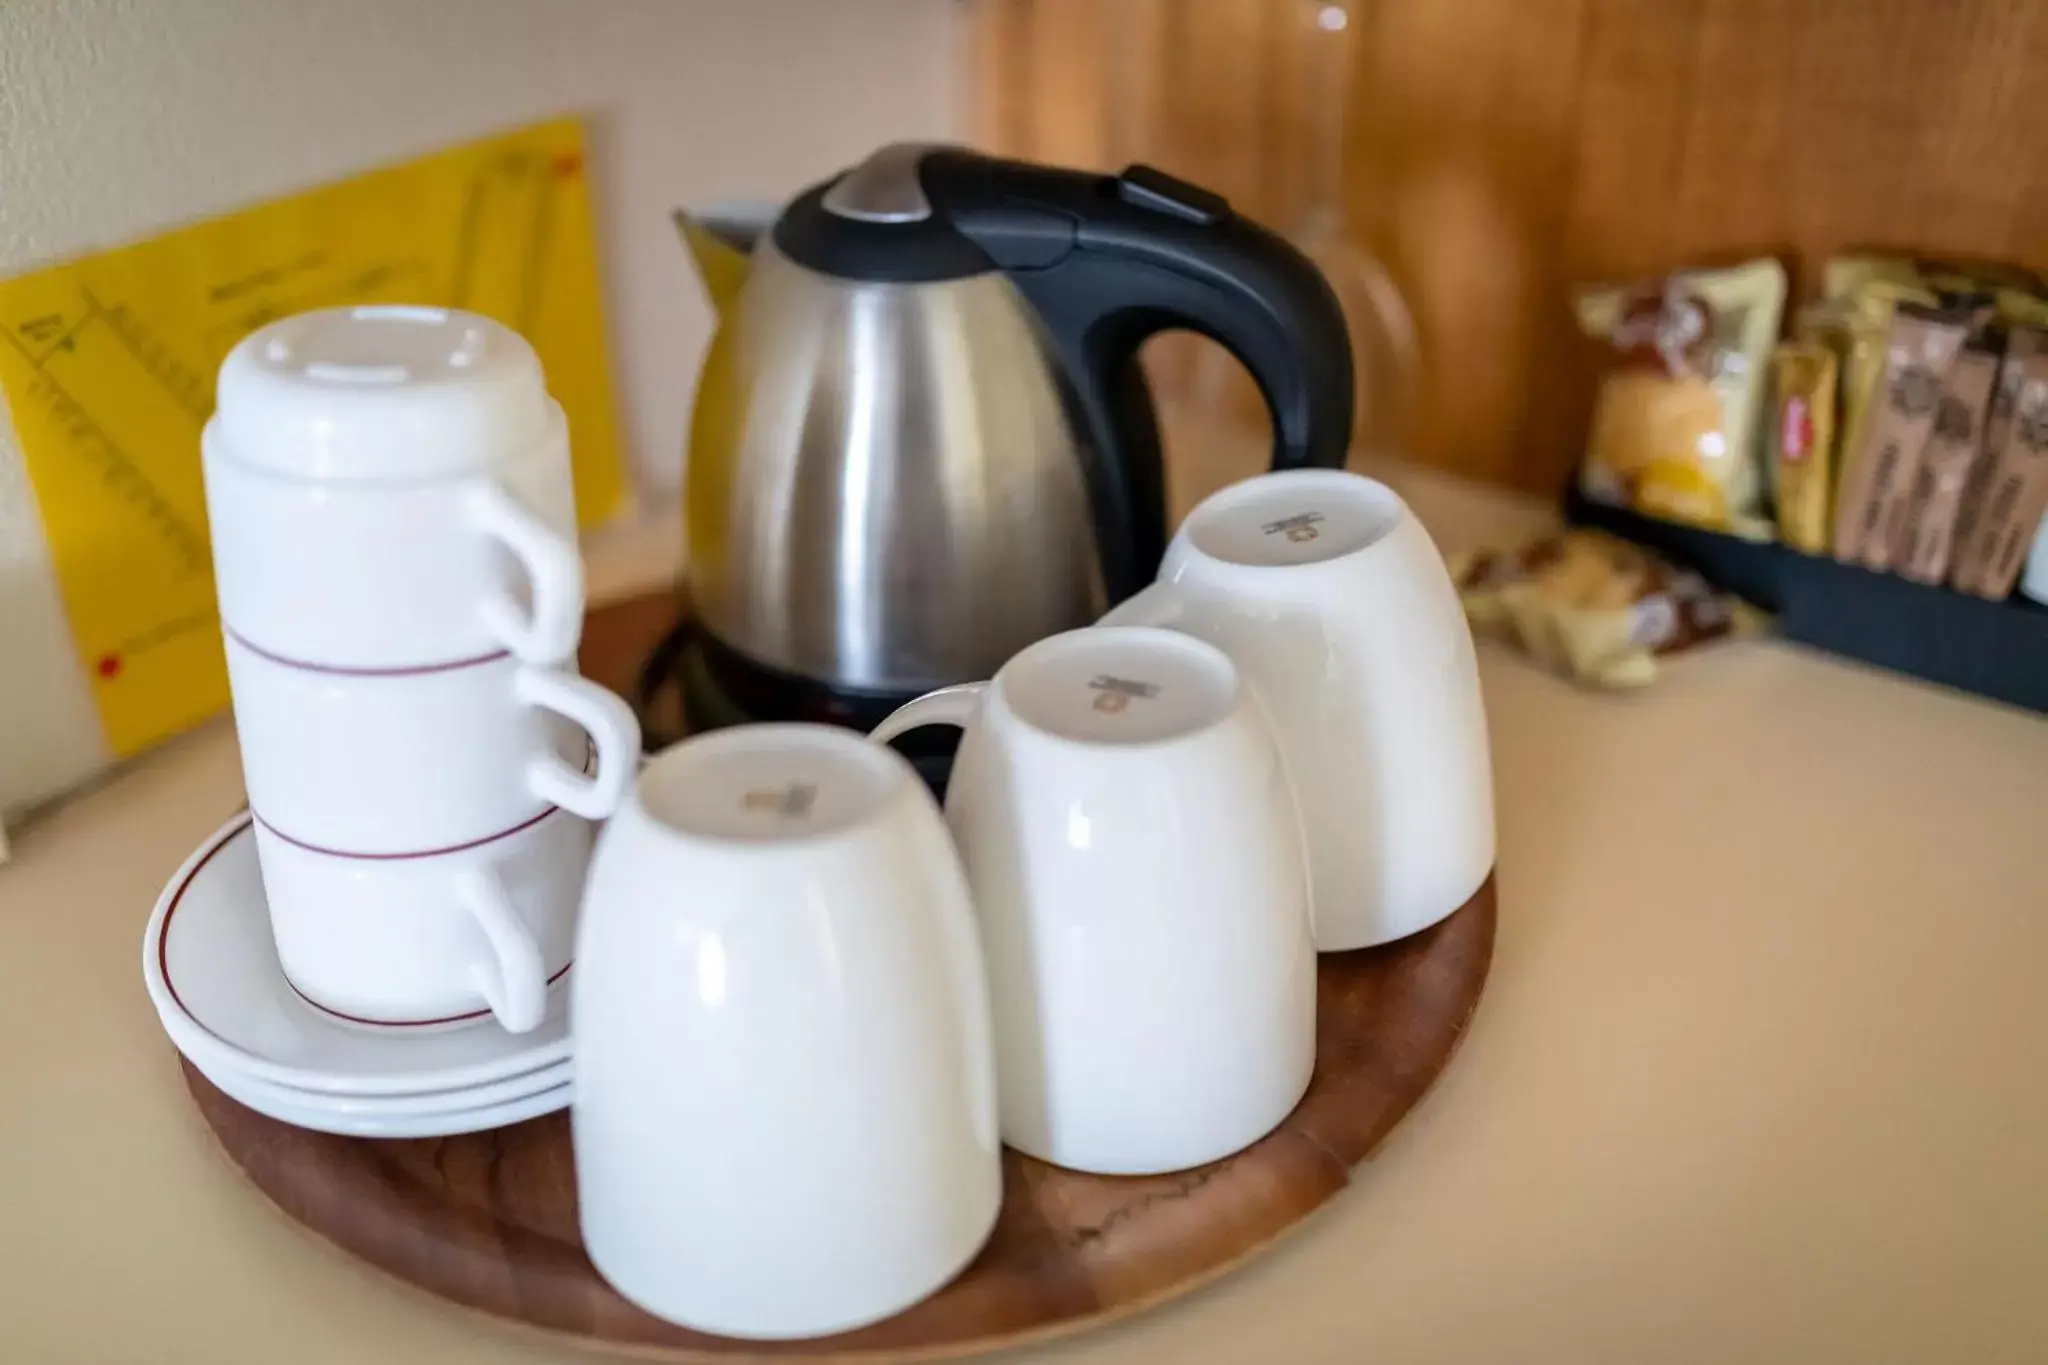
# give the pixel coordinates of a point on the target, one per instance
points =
(792, 802)
(1298, 528)
(1113, 695)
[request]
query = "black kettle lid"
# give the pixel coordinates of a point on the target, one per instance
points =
(875, 222)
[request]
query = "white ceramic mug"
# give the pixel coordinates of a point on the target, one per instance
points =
(435, 940)
(1137, 868)
(784, 1115)
(418, 762)
(390, 488)
(1335, 604)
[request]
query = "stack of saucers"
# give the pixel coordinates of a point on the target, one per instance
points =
(213, 974)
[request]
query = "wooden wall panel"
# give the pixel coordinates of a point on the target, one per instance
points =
(1502, 151)
(1463, 149)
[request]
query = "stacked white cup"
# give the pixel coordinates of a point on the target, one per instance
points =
(394, 548)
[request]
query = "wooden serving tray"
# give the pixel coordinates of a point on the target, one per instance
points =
(488, 1220)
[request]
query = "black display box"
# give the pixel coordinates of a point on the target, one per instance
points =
(1994, 649)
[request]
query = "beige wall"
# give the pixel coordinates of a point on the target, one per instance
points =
(121, 117)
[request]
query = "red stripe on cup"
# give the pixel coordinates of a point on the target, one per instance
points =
(331, 1012)
(523, 825)
(163, 956)
(348, 671)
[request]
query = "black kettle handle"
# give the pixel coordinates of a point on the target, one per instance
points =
(1108, 261)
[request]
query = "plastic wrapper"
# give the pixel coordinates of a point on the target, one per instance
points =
(1594, 607)
(2007, 500)
(1675, 427)
(1802, 441)
(1865, 325)
(1921, 344)
(1948, 463)
(1861, 293)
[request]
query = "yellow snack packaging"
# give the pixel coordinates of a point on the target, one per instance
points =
(1675, 426)
(1802, 441)
(1594, 607)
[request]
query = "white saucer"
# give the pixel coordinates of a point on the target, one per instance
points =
(444, 1123)
(213, 974)
(251, 1089)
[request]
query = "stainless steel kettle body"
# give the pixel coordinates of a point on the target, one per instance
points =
(905, 504)
(941, 447)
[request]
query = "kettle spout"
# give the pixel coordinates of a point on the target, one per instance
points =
(720, 239)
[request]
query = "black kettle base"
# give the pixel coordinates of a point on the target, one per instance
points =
(691, 682)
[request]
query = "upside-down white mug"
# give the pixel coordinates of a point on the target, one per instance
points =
(379, 764)
(439, 939)
(1333, 601)
(389, 487)
(784, 1114)
(1130, 837)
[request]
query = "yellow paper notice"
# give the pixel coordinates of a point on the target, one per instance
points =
(107, 363)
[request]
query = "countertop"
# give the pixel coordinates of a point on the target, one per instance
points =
(1759, 1074)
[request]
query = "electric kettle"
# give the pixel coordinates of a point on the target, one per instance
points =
(936, 445)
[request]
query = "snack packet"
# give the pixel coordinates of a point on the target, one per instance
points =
(1921, 344)
(2013, 308)
(2019, 298)
(1861, 294)
(2021, 342)
(1847, 276)
(1948, 462)
(1674, 430)
(1594, 607)
(2009, 499)
(1802, 432)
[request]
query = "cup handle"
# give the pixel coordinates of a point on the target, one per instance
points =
(514, 983)
(612, 728)
(554, 574)
(948, 706)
